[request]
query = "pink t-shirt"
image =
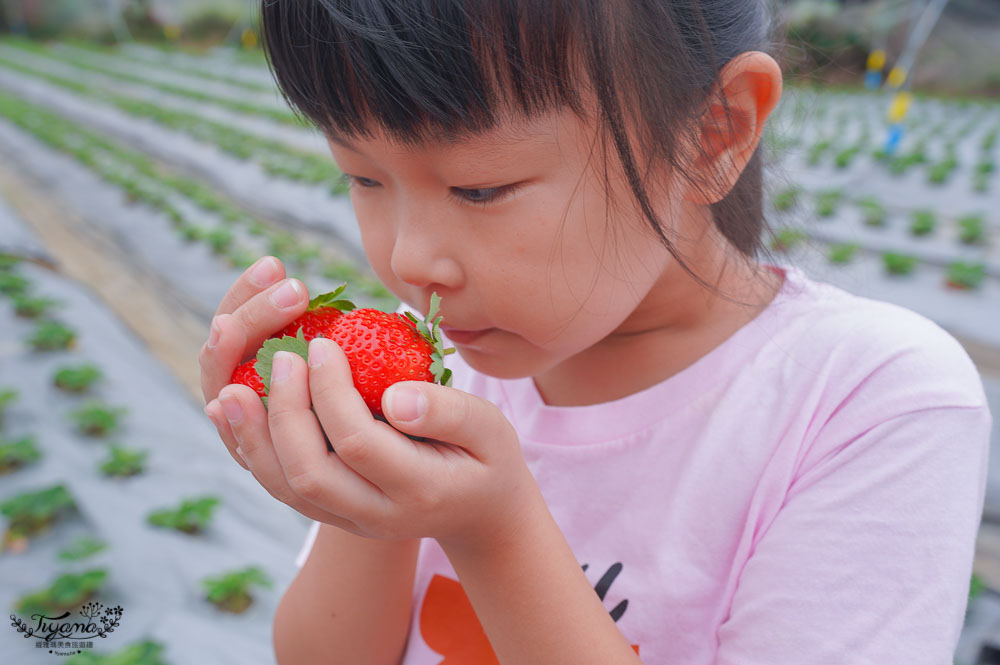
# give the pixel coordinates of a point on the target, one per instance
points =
(808, 492)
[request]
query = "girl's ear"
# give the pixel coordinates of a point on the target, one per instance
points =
(749, 86)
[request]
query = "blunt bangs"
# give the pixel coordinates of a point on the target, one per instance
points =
(420, 70)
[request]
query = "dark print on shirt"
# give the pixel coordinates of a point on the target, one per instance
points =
(449, 625)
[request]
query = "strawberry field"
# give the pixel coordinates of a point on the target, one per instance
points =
(136, 184)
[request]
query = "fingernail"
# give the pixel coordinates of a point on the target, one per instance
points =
(405, 403)
(239, 451)
(213, 334)
(317, 353)
(287, 295)
(281, 366)
(264, 272)
(232, 409)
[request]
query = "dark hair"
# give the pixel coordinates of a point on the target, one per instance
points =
(432, 69)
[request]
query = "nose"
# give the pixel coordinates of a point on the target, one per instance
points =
(423, 255)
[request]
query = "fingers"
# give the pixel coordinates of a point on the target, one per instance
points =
(369, 447)
(430, 410)
(313, 473)
(238, 335)
(216, 414)
(262, 274)
(244, 423)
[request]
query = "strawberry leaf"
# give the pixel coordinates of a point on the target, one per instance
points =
(433, 335)
(331, 300)
(265, 356)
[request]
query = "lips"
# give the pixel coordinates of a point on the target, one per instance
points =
(464, 336)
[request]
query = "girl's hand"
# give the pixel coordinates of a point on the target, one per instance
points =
(260, 303)
(466, 485)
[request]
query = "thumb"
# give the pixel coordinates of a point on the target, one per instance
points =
(433, 411)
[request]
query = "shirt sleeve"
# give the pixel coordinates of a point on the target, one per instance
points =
(307, 546)
(869, 559)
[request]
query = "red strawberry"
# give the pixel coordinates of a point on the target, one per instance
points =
(246, 374)
(322, 312)
(381, 348)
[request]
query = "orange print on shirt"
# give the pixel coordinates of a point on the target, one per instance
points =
(451, 628)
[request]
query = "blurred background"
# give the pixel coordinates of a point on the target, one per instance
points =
(147, 159)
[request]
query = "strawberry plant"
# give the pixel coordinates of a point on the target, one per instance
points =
(97, 419)
(32, 307)
(787, 238)
(827, 201)
(123, 462)
(899, 264)
(82, 548)
(17, 454)
(873, 211)
(66, 592)
(787, 198)
(31, 513)
(76, 379)
(51, 335)
(192, 516)
(841, 253)
(962, 275)
(922, 222)
(146, 652)
(972, 230)
(816, 152)
(8, 261)
(12, 284)
(7, 396)
(219, 240)
(231, 591)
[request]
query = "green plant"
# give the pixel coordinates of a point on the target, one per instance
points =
(873, 211)
(18, 453)
(963, 275)
(843, 252)
(787, 198)
(827, 201)
(219, 239)
(192, 516)
(7, 396)
(976, 587)
(51, 335)
(922, 222)
(123, 461)
(231, 591)
(972, 229)
(8, 261)
(31, 513)
(76, 379)
(81, 548)
(13, 284)
(787, 238)
(97, 419)
(66, 592)
(32, 307)
(899, 264)
(146, 652)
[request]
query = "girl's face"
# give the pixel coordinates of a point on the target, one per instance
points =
(515, 232)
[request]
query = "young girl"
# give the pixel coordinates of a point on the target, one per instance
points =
(655, 449)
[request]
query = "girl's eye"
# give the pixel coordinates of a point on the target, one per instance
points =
(351, 180)
(484, 197)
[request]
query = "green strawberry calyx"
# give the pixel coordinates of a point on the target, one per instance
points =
(428, 329)
(265, 355)
(332, 299)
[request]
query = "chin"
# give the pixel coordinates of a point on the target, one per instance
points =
(498, 366)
